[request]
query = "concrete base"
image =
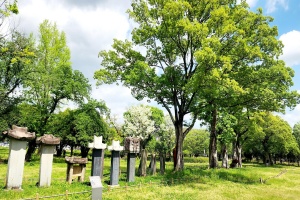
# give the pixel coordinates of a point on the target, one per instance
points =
(46, 165)
(15, 166)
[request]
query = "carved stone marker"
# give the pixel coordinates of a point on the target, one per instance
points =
(76, 168)
(132, 146)
(47, 147)
(96, 187)
(97, 156)
(115, 162)
(18, 137)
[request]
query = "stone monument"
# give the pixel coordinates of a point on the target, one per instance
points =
(97, 156)
(76, 168)
(18, 137)
(47, 148)
(132, 147)
(115, 162)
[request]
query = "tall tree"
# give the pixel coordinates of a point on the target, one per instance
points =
(54, 82)
(238, 66)
(16, 58)
(199, 56)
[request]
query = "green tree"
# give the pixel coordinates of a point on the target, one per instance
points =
(238, 66)
(16, 56)
(77, 127)
(54, 82)
(201, 56)
(273, 136)
(196, 143)
(8, 7)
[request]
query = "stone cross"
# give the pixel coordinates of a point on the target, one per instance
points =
(18, 137)
(115, 162)
(97, 156)
(47, 148)
(132, 147)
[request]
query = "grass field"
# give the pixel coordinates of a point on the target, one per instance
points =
(195, 182)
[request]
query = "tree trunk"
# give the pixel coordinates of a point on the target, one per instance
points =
(162, 160)
(143, 166)
(153, 164)
(224, 156)
(239, 153)
(84, 151)
(213, 155)
(30, 150)
(234, 156)
(59, 150)
(179, 164)
(72, 150)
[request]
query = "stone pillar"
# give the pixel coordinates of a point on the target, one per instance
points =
(47, 148)
(115, 162)
(17, 149)
(132, 146)
(97, 156)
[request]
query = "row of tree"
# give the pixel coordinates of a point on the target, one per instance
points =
(214, 61)
(211, 60)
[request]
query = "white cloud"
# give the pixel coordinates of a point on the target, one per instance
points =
(118, 98)
(272, 5)
(292, 117)
(291, 50)
(252, 3)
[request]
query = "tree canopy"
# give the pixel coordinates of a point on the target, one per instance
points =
(200, 57)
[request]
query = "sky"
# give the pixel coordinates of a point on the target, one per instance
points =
(91, 25)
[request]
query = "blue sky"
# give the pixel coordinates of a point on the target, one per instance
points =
(286, 14)
(91, 25)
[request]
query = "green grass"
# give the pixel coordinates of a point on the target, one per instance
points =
(195, 182)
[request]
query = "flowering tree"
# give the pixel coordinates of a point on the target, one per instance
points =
(138, 122)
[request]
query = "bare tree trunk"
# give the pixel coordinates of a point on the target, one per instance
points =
(224, 156)
(143, 167)
(234, 156)
(153, 164)
(30, 150)
(72, 150)
(213, 155)
(162, 159)
(239, 153)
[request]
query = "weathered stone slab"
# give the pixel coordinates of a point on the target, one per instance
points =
(20, 133)
(132, 144)
(76, 160)
(48, 139)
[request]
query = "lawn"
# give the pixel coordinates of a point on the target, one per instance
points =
(195, 182)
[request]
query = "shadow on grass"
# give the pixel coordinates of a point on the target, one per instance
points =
(202, 175)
